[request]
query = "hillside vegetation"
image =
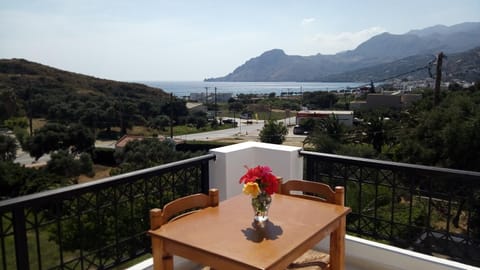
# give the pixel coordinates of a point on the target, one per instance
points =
(33, 90)
(20, 74)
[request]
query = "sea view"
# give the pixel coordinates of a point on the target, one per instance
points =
(184, 88)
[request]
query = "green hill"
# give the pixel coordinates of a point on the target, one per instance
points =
(39, 91)
(20, 74)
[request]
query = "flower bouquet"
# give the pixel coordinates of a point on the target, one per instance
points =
(260, 183)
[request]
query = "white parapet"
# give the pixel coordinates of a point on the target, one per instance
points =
(362, 254)
(230, 162)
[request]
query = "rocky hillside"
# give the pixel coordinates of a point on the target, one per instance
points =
(385, 48)
(462, 66)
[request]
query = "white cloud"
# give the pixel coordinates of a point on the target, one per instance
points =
(333, 43)
(307, 21)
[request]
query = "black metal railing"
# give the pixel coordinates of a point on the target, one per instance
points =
(426, 209)
(97, 225)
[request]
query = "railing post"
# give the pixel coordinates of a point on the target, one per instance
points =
(20, 233)
(310, 167)
(204, 175)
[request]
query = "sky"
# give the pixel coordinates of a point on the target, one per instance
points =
(177, 40)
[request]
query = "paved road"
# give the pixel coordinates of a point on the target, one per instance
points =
(24, 158)
(242, 131)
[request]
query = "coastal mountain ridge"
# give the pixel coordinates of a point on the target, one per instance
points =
(460, 66)
(276, 65)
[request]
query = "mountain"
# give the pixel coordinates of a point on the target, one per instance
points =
(20, 74)
(444, 30)
(275, 65)
(463, 66)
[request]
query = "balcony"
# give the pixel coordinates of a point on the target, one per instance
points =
(402, 214)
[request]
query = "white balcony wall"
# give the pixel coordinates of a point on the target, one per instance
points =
(230, 162)
(361, 254)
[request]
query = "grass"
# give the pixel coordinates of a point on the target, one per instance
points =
(48, 249)
(38, 123)
(100, 173)
(187, 129)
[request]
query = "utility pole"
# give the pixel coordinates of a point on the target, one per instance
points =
(206, 97)
(438, 79)
(215, 109)
(29, 109)
(301, 101)
(171, 115)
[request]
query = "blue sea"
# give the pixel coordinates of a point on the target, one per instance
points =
(184, 88)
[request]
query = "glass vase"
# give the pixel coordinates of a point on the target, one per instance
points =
(260, 205)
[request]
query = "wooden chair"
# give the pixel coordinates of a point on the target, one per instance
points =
(314, 259)
(172, 211)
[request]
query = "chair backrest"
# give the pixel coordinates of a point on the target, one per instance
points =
(181, 207)
(313, 191)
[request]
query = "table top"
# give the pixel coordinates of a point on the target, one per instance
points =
(228, 233)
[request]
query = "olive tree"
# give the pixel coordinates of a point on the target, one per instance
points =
(8, 148)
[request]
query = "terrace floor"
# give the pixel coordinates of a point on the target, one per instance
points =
(360, 255)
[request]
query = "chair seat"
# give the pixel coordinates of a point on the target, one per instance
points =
(311, 260)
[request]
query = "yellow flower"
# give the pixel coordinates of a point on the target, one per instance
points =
(251, 188)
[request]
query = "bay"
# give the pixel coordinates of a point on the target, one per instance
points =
(184, 88)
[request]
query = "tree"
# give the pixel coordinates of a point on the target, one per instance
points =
(159, 122)
(80, 138)
(16, 122)
(320, 100)
(16, 180)
(273, 132)
(125, 112)
(327, 135)
(8, 148)
(146, 153)
(376, 133)
(86, 164)
(8, 104)
(49, 138)
(177, 109)
(446, 135)
(332, 127)
(63, 163)
(62, 112)
(235, 107)
(52, 137)
(91, 118)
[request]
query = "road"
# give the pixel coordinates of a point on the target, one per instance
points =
(243, 131)
(24, 158)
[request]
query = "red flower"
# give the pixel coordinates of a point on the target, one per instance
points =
(263, 176)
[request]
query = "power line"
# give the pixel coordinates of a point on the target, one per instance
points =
(427, 67)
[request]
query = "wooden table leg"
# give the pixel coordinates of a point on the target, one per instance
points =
(161, 260)
(337, 247)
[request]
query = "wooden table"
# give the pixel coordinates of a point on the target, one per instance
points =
(225, 237)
